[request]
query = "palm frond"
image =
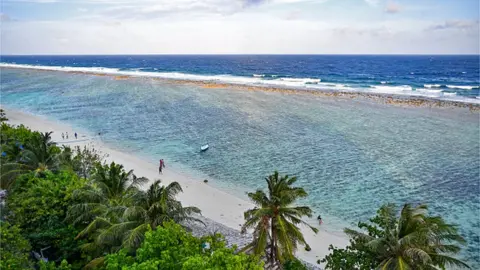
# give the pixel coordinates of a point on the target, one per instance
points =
(95, 263)
(97, 223)
(444, 260)
(417, 255)
(133, 238)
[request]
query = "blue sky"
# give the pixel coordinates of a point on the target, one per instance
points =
(240, 26)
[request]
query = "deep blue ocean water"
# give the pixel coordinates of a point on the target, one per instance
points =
(448, 77)
(350, 155)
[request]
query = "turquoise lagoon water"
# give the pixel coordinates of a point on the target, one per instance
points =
(350, 155)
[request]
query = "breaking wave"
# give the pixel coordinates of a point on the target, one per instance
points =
(266, 80)
(464, 87)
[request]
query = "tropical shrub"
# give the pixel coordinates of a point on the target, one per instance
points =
(171, 247)
(82, 161)
(3, 118)
(14, 248)
(294, 264)
(38, 205)
(42, 265)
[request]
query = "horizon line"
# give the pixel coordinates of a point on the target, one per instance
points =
(248, 54)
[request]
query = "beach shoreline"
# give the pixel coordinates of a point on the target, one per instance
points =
(216, 205)
(395, 99)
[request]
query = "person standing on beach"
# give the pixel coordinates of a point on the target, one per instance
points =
(162, 165)
(66, 134)
(75, 135)
(63, 136)
(320, 221)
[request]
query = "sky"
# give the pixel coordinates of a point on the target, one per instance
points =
(239, 27)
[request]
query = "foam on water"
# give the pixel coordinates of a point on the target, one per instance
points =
(260, 80)
(300, 80)
(464, 87)
(432, 85)
(392, 89)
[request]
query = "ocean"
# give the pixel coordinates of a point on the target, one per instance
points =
(351, 155)
(443, 77)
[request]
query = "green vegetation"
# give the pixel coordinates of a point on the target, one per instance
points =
(294, 264)
(274, 220)
(38, 205)
(64, 208)
(3, 118)
(117, 213)
(67, 209)
(170, 247)
(14, 248)
(413, 240)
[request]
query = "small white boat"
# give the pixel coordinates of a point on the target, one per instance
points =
(204, 148)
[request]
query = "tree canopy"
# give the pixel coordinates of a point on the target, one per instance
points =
(171, 247)
(275, 219)
(410, 240)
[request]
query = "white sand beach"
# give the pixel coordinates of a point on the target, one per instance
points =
(215, 204)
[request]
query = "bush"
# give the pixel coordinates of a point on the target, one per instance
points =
(14, 249)
(51, 265)
(171, 247)
(294, 264)
(38, 205)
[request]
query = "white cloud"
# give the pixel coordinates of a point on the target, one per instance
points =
(141, 10)
(235, 34)
(233, 26)
(373, 3)
(456, 24)
(4, 17)
(32, 1)
(392, 8)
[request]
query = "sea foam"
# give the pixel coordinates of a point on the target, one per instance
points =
(464, 87)
(432, 85)
(261, 80)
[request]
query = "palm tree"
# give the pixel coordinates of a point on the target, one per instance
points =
(117, 214)
(41, 147)
(39, 155)
(102, 204)
(110, 192)
(157, 205)
(115, 182)
(413, 241)
(275, 218)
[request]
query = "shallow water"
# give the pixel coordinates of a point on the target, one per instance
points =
(350, 155)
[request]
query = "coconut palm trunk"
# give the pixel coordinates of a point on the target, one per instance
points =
(273, 248)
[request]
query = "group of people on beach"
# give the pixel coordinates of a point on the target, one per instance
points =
(65, 136)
